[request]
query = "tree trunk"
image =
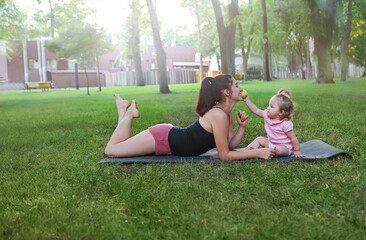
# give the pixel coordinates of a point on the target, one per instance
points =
(265, 44)
(334, 62)
(270, 61)
(322, 21)
(87, 82)
(276, 67)
(292, 65)
(302, 66)
(218, 62)
(199, 42)
(346, 32)
(308, 60)
(76, 76)
(136, 47)
(245, 54)
(322, 50)
(52, 20)
(226, 35)
(98, 75)
(161, 57)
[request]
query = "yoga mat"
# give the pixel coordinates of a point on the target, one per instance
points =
(313, 149)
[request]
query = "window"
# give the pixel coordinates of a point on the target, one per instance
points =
(112, 64)
(152, 64)
(51, 63)
(71, 65)
(32, 63)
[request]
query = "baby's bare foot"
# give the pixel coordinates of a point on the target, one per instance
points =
(133, 110)
(120, 103)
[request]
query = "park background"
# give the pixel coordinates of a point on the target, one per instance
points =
(51, 141)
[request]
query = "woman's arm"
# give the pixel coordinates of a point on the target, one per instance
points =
(253, 108)
(295, 143)
(220, 127)
(242, 120)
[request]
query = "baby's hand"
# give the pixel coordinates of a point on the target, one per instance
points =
(297, 154)
(246, 98)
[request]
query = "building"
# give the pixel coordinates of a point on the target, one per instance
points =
(42, 65)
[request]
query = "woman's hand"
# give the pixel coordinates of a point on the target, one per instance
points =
(242, 118)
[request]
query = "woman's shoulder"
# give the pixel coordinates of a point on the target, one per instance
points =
(216, 113)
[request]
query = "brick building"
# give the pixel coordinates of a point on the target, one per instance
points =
(44, 66)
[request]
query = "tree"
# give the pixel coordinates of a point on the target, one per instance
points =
(205, 39)
(11, 26)
(194, 6)
(294, 18)
(226, 35)
(161, 56)
(345, 33)
(245, 48)
(135, 41)
(60, 13)
(81, 43)
(357, 47)
(266, 54)
(322, 15)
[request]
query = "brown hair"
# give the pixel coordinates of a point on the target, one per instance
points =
(286, 105)
(211, 92)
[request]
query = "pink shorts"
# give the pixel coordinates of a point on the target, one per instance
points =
(160, 133)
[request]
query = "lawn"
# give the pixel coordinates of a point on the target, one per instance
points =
(52, 188)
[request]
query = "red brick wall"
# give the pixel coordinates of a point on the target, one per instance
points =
(66, 79)
(62, 64)
(15, 66)
(32, 49)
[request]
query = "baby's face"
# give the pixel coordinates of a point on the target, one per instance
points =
(274, 110)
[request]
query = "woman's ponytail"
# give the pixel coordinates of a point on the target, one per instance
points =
(210, 92)
(205, 97)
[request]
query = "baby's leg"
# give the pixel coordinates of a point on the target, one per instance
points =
(281, 151)
(258, 142)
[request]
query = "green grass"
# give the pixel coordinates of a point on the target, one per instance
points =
(52, 188)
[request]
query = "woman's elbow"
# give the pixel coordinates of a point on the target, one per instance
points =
(224, 157)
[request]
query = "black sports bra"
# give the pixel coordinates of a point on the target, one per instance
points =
(193, 140)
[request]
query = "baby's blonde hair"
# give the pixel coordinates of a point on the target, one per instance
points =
(286, 105)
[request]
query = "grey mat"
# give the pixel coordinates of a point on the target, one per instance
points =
(313, 149)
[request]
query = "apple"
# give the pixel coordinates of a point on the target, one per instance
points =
(244, 94)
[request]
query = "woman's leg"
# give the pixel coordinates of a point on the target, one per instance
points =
(139, 145)
(121, 143)
(121, 105)
(125, 117)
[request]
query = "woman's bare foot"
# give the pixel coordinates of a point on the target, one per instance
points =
(133, 110)
(120, 103)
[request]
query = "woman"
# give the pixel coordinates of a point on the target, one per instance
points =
(214, 128)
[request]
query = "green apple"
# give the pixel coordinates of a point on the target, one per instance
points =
(244, 94)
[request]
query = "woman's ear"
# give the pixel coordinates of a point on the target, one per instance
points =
(227, 93)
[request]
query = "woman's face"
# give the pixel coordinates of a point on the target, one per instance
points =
(236, 90)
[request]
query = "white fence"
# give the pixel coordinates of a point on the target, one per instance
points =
(150, 78)
(353, 71)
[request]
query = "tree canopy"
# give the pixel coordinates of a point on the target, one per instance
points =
(301, 34)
